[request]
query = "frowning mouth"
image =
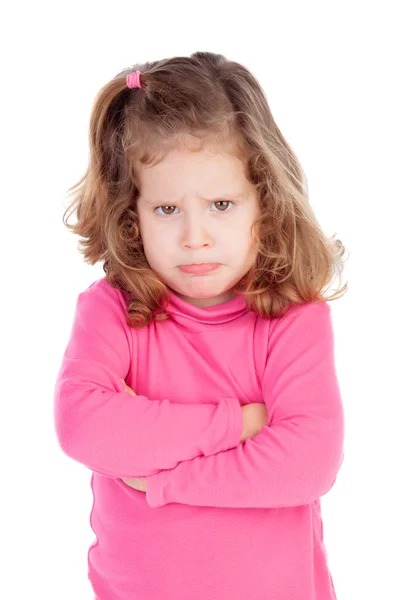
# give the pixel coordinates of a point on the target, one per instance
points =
(199, 268)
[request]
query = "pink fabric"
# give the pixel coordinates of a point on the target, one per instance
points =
(221, 519)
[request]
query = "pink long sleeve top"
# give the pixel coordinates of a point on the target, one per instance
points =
(221, 518)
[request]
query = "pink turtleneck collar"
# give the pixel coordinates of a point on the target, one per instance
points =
(195, 318)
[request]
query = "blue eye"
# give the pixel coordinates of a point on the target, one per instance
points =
(216, 202)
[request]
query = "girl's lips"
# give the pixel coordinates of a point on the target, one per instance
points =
(199, 269)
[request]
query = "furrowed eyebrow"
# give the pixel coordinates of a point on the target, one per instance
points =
(224, 197)
(218, 199)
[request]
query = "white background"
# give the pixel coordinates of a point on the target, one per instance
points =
(335, 77)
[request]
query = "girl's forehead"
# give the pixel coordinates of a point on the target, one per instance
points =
(188, 143)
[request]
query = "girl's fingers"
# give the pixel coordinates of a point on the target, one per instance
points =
(127, 389)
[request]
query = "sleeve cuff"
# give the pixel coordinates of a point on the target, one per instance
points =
(156, 486)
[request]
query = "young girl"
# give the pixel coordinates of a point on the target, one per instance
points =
(198, 383)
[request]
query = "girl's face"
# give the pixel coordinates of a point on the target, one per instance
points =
(198, 207)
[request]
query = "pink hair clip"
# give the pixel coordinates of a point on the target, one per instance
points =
(133, 80)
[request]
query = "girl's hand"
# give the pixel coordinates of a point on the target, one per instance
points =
(127, 388)
(137, 483)
(255, 417)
